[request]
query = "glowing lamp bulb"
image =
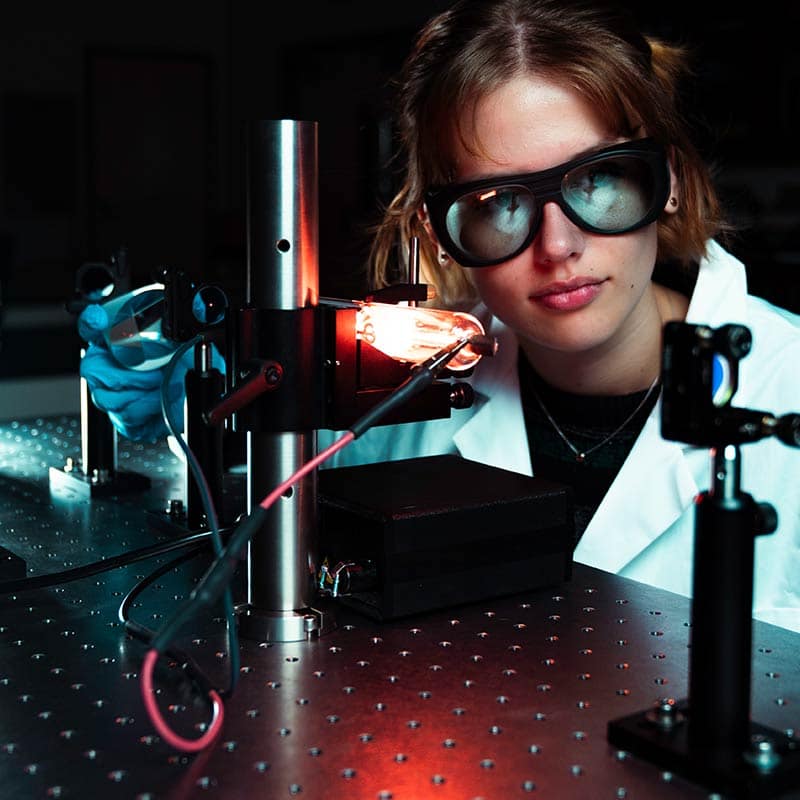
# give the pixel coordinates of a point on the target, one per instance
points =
(413, 334)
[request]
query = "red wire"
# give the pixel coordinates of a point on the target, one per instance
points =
(318, 459)
(164, 731)
(148, 692)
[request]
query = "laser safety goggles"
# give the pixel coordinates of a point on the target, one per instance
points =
(612, 191)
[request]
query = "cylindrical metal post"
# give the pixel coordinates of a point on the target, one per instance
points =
(98, 440)
(720, 656)
(282, 273)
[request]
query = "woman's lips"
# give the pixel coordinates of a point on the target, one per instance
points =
(568, 295)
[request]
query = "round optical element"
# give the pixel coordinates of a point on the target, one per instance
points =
(134, 335)
(95, 282)
(612, 195)
(497, 220)
(209, 305)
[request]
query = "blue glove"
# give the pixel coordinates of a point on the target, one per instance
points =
(131, 398)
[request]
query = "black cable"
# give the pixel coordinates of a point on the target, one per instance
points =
(145, 634)
(56, 578)
(137, 630)
(207, 502)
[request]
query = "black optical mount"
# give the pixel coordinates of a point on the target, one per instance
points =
(196, 312)
(709, 737)
(97, 474)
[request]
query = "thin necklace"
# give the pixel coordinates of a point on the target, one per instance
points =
(581, 455)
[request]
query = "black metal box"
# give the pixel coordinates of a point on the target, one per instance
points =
(435, 532)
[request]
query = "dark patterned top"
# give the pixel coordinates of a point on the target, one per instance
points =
(585, 420)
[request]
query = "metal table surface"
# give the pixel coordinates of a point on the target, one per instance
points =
(504, 699)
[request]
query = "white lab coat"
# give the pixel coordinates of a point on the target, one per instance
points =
(644, 527)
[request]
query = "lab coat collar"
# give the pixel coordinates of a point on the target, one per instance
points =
(631, 516)
(495, 434)
(720, 294)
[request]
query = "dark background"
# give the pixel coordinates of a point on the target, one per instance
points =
(121, 126)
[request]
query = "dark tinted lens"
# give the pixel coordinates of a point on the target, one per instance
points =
(493, 223)
(613, 194)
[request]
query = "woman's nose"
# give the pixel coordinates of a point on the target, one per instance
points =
(558, 237)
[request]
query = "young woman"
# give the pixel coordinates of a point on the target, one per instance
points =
(551, 181)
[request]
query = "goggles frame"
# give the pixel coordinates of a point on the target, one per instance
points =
(546, 187)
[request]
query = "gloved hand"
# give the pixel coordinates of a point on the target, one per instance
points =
(131, 398)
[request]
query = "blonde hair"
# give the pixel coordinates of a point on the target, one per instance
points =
(474, 47)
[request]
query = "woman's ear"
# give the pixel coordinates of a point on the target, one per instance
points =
(673, 201)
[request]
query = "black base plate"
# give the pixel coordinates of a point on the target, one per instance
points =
(735, 776)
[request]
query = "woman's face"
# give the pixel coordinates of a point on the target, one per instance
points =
(571, 290)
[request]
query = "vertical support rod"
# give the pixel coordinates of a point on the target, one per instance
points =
(720, 656)
(98, 439)
(204, 386)
(282, 273)
(413, 264)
